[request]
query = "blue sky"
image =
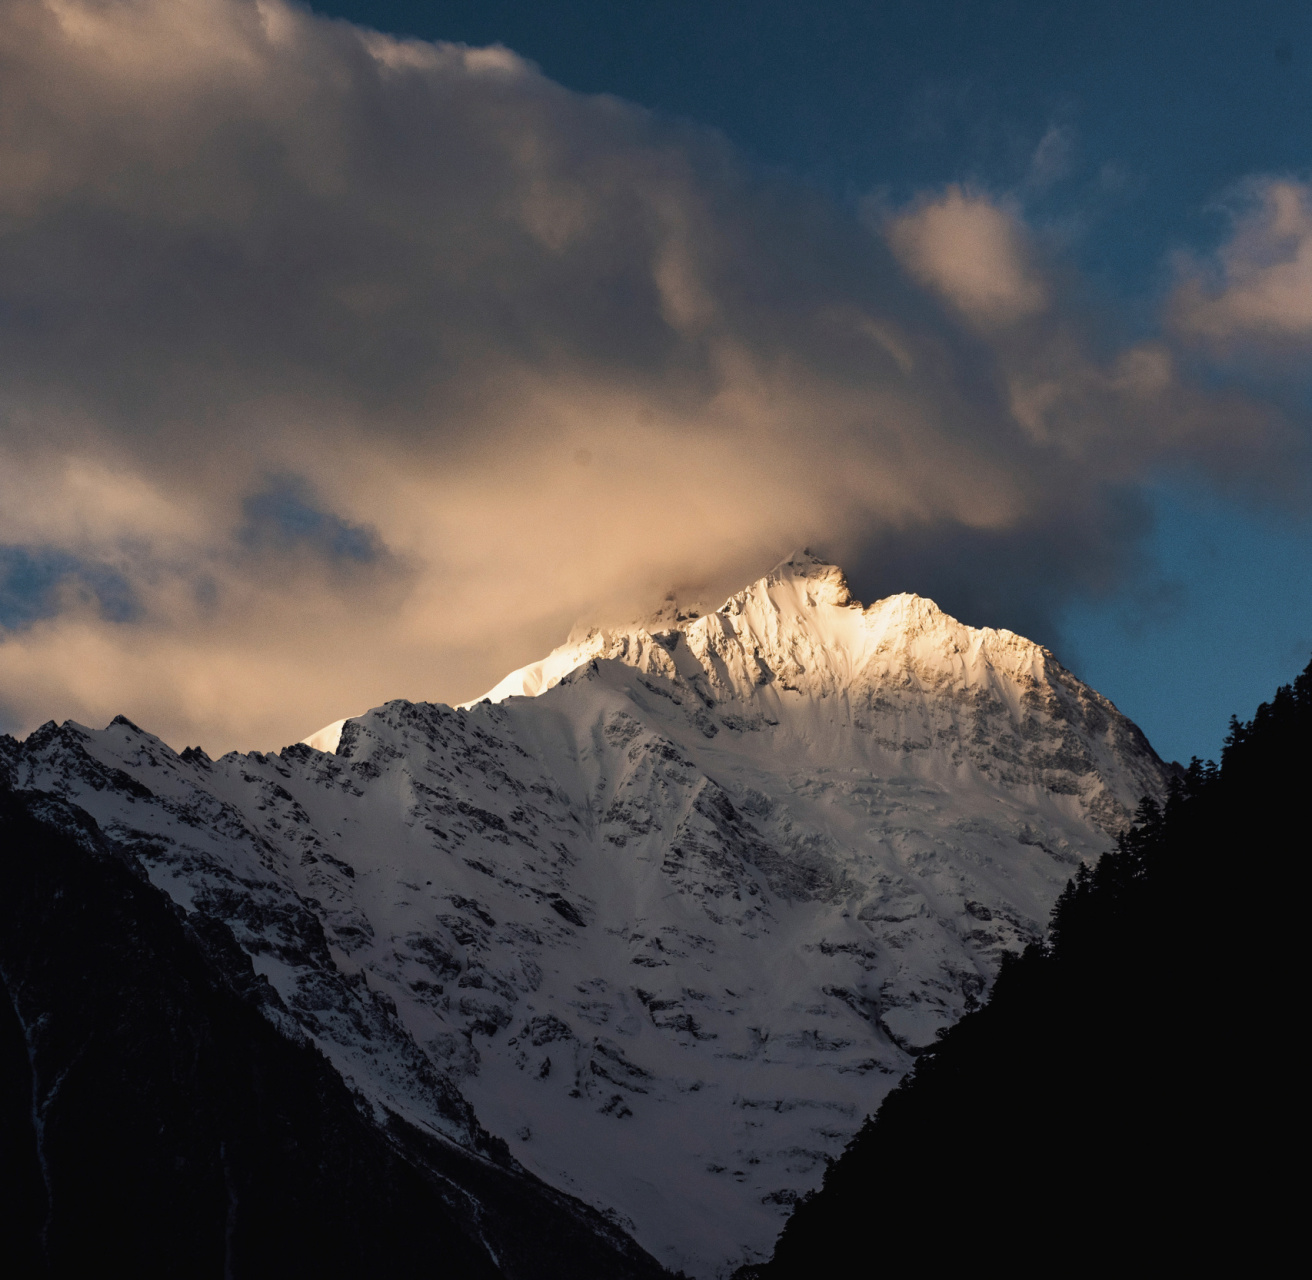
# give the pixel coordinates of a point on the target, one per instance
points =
(1152, 113)
(339, 362)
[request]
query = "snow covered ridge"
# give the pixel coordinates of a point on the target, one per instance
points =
(798, 631)
(674, 925)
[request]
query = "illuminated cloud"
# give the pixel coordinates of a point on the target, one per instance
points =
(974, 254)
(1260, 284)
(355, 368)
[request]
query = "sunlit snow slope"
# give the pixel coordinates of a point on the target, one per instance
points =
(674, 908)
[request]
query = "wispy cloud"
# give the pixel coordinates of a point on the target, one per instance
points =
(1258, 286)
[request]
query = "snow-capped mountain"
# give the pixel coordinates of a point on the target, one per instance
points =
(669, 911)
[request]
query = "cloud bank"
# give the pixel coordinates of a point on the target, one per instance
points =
(335, 368)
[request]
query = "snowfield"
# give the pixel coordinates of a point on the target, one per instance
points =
(671, 910)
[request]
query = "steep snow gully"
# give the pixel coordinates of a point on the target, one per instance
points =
(669, 911)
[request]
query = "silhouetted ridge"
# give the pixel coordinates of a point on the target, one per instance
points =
(1123, 1094)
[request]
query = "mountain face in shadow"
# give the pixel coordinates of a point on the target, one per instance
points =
(1125, 1095)
(154, 1121)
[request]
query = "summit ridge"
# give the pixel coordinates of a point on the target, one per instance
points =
(797, 635)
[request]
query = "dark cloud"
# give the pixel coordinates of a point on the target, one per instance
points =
(1019, 578)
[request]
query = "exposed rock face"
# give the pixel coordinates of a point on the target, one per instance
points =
(674, 925)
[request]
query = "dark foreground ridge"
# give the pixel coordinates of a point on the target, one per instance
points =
(153, 1122)
(1127, 1095)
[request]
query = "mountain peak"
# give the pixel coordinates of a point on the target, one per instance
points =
(826, 582)
(802, 564)
(773, 849)
(905, 686)
(795, 650)
(798, 620)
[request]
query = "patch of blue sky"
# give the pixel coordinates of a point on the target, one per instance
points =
(283, 516)
(1222, 616)
(35, 583)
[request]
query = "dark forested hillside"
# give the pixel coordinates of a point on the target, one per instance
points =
(154, 1123)
(1131, 1088)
